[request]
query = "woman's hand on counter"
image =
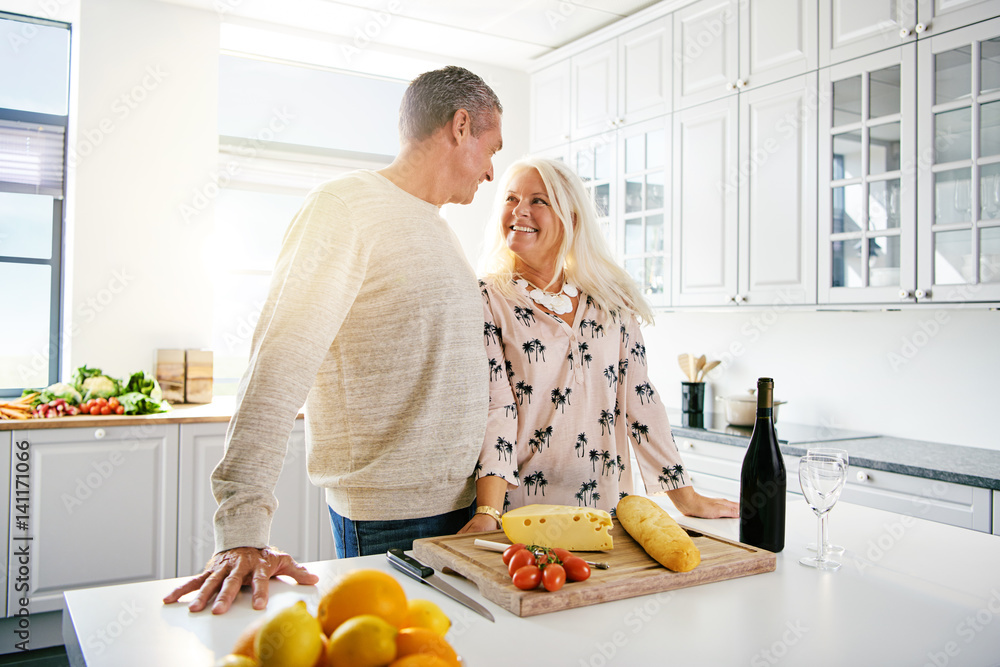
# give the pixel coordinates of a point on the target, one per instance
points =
(480, 523)
(229, 570)
(692, 503)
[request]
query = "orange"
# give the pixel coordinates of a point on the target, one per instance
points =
(245, 642)
(323, 660)
(419, 660)
(362, 592)
(423, 640)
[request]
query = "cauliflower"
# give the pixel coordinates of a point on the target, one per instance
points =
(63, 391)
(99, 386)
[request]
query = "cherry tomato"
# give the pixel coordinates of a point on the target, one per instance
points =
(553, 577)
(510, 551)
(120, 410)
(94, 410)
(576, 569)
(102, 401)
(519, 560)
(105, 409)
(113, 403)
(562, 554)
(528, 577)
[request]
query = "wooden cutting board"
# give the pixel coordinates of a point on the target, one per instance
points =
(631, 573)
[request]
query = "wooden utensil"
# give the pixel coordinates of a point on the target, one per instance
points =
(685, 363)
(708, 367)
(698, 366)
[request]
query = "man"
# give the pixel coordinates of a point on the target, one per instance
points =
(374, 320)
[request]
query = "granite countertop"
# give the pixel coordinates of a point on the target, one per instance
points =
(972, 466)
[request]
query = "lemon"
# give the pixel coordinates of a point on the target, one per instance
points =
(233, 660)
(289, 638)
(426, 614)
(362, 641)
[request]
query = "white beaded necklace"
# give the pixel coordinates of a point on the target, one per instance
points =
(558, 302)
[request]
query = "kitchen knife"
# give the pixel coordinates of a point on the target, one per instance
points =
(411, 567)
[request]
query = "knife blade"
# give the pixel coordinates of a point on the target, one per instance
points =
(413, 568)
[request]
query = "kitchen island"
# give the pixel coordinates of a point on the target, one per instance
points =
(910, 593)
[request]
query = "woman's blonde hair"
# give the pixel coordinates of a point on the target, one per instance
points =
(583, 253)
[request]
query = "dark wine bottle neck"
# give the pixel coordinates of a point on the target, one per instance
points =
(764, 413)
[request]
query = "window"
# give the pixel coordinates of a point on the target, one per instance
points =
(34, 96)
(283, 129)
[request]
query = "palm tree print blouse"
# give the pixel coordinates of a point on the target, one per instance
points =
(565, 401)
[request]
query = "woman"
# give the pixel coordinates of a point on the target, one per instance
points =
(568, 384)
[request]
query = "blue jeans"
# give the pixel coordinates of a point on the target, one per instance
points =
(365, 538)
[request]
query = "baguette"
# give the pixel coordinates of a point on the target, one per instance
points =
(658, 533)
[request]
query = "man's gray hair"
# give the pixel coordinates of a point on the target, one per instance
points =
(431, 100)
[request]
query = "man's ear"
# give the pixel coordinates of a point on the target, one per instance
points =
(461, 126)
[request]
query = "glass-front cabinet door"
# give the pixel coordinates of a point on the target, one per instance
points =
(959, 179)
(595, 160)
(644, 206)
(867, 175)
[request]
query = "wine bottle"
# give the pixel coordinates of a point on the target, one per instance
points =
(762, 481)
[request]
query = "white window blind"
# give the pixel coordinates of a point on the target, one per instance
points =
(31, 158)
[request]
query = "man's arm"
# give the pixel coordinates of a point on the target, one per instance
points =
(317, 277)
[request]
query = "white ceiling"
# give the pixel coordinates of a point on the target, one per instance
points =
(509, 33)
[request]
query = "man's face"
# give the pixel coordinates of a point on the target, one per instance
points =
(474, 162)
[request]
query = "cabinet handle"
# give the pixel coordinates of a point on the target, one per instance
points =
(687, 444)
(740, 298)
(862, 476)
(740, 83)
(904, 33)
(99, 433)
(730, 86)
(922, 294)
(732, 299)
(919, 28)
(905, 294)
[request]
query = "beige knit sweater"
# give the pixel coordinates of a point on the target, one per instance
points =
(374, 322)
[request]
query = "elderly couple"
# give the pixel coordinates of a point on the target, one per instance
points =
(374, 321)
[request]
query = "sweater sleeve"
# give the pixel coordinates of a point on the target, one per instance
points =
(659, 461)
(318, 274)
(499, 453)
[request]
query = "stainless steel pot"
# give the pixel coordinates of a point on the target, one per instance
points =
(741, 409)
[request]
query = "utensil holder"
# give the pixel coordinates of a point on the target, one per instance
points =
(693, 397)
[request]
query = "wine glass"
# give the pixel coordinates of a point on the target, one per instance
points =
(822, 479)
(834, 549)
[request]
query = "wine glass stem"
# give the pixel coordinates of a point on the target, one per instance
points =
(826, 528)
(821, 538)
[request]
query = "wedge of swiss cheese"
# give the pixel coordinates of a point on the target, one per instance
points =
(563, 526)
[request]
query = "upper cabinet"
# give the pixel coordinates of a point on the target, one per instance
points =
(938, 16)
(550, 106)
(867, 178)
(621, 81)
(853, 28)
(958, 137)
(725, 46)
(745, 198)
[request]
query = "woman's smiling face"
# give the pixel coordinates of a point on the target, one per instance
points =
(534, 233)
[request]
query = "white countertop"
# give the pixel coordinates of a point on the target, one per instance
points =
(910, 593)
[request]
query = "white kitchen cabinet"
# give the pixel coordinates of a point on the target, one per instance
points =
(722, 47)
(867, 179)
(705, 211)
(103, 508)
(958, 176)
(550, 106)
(297, 525)
(938, 16)
(622, 81)
(715, 468)
(745, 198)
(854, 28)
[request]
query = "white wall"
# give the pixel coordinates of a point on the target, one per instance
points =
(143, 139)
(927, 374)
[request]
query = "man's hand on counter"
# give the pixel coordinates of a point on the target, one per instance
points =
(229, 570)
